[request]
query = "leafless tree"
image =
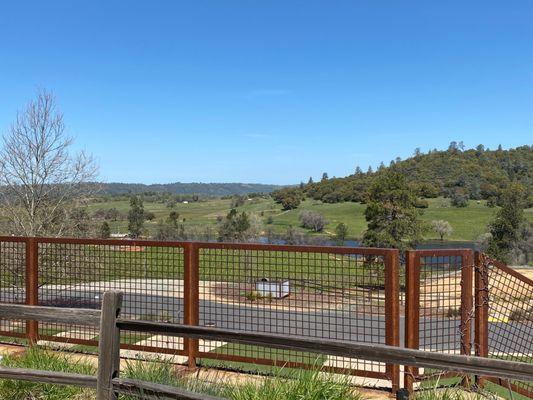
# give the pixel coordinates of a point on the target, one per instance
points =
(40, 179)
(312, 220)
(442, 228)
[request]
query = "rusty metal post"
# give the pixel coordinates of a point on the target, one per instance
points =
(467, 306)
(481, 332)
(32, 286)
(392, 311)
(191, 298)
(412, 313)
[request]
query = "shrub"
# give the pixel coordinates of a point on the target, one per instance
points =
(253, 295)
(341, 231)
(289, 198)
(314, 221)
(521, 315)
(453, 312)
(459, 199)
(421, 203)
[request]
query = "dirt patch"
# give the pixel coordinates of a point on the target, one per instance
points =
(305, 298)
(442, 295)
(527, 272)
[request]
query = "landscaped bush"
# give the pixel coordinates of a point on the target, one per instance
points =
(453, 312)
(520, 315)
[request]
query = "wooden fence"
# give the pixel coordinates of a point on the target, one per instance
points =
(108, 382)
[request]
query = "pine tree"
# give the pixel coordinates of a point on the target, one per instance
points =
(506, 228)
(105, 230)
(391, 213)
(136, 217)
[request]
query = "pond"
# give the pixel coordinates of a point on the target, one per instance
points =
(430, 244)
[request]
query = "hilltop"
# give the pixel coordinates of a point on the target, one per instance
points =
(473, 174)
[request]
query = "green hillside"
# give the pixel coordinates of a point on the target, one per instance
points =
(467, 222)
(475, 174)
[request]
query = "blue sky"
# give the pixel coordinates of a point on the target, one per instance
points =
(270, 91)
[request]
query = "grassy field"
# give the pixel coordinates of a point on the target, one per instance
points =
(468, 222)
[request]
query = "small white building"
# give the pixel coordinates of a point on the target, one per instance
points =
(118, 235)
(274, 289)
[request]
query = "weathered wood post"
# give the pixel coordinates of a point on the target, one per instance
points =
(109, 346)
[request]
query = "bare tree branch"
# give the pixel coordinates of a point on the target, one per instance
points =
(39, 177)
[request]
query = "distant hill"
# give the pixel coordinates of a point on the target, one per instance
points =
(204, 189)
(472, 173)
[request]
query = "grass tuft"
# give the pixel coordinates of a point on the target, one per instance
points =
(36, 358)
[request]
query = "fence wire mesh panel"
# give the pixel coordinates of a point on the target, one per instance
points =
(439, 312)
(12, 285)
(76, 273)
(509, 324)
(327, 293)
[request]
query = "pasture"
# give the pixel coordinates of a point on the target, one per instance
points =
(468, 222)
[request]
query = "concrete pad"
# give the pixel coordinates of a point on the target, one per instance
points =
(364, 365)
(159, 341)
(85, 334)
(210, 345)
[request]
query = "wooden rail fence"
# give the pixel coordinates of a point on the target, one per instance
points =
(108, 382)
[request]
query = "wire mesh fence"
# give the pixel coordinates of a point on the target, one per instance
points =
(507, 321)
(332, 293)
(439, 309)
(314, 291)
(76, 273)
(12, 285)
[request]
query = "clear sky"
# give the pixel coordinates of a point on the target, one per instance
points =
(270, 91)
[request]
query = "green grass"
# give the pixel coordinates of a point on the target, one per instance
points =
(219, 265)
(448, 389)
(36, 358)
(467, 223)
(299, 385)
(317, 360)
(293, 385)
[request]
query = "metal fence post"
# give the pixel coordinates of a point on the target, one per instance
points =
(412, 312)
(109, 346)
(467, 311)
(191, 298)
(392, 311)
(32, 285)
(467, 306)
(481, 342)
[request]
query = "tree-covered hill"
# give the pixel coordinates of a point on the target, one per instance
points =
(203, 189)
(456, 173)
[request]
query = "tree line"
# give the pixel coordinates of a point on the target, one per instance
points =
(457, 173)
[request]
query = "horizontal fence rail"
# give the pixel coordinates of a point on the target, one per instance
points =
(78, 316)
(383, 353)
